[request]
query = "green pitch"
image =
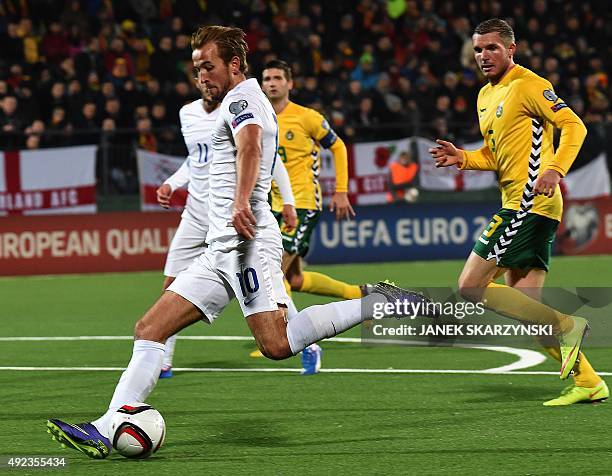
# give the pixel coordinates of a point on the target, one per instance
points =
(351, 422)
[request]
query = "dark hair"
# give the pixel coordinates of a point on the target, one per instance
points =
(230, 42)
(496, 25)
(280, 64)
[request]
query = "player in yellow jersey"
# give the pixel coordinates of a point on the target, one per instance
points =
(302, 131)
(517, 112)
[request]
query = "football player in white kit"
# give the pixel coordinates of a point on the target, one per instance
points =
(243, 257)
(197, 121)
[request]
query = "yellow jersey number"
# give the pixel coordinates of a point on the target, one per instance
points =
(283, 154)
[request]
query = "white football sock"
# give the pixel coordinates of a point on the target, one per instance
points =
(327, 320)
(169, 354)
(291, 310)
(137, 381)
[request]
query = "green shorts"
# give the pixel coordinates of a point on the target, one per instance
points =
(298, 241)
(525, 244)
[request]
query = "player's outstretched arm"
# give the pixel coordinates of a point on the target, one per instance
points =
(547, 182)
(542, 101)
(176, 180)
(340, 202)
(281, 177)
(446, 154)
(342, 206)
(164, 193)
(248, 157)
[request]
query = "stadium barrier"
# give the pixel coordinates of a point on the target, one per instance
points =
(586, 228)
(105, 242)
(48, 181)
(426, 231)
(429, 231)
(135, 241)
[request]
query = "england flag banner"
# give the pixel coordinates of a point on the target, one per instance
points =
(451, 178)
(48, 181)
(153, 170)
(590, 180)
(368, 167)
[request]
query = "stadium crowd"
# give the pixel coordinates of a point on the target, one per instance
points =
(70, 69)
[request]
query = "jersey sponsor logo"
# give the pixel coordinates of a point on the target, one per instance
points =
(249, 300)
(241, 118)
(559, 106)
(483, 109)
(289, 135)
(238, 106)
(550, 95)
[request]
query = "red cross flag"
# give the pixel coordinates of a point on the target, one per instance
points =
(48, 181)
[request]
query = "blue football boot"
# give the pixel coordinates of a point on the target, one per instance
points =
(83, 437)
(311, 359)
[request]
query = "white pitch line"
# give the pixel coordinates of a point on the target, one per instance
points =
(527, 358)
(292, 370)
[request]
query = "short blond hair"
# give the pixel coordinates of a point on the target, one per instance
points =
(230, 42)
(496, 25)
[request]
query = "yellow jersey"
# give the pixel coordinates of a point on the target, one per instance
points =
(517, 117)
(301, 133)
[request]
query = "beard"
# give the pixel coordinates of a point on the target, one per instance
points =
(219, 92)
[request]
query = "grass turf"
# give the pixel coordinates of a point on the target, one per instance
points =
(282, 423)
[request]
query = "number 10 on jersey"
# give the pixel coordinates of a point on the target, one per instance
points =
(248, 281)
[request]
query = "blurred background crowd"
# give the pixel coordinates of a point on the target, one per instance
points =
(117, 71)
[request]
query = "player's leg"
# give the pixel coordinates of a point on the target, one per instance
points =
(196, 294)
(169, 314)
(188, 243)
(526, 243)
(587, 384)
(279, 339)
(296, 246)
(254, 272)
(166, 370)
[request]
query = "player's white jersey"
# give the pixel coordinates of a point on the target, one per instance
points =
(243, 105)
(196, 126)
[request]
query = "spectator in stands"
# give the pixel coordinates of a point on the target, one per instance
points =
(146, 138)
(366, 72)
(163, 62)
(75, 98)
(341, 52)
(117, 51)
(59, 128)
(403, 179)
(35, 138)
(112, 110)
(12, 44)
(30, 41)
(4, 89)
(87, 123)
(89, 60)
(55, 44)
(152, 92)
(28, 106)
(73, 16)
(11, 122)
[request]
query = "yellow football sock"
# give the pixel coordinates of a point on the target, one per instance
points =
(513, 303)
(584, 375)
(287, 287)
(317, 283)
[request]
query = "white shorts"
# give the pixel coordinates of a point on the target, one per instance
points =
(188, 243)
(249, 270)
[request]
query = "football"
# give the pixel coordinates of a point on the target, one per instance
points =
(137, 430)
